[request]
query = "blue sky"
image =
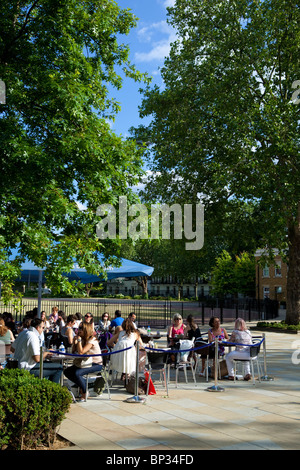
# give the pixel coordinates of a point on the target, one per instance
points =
(149, 43)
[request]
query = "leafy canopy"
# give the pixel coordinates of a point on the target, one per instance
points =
(59, 158)
(224, 128)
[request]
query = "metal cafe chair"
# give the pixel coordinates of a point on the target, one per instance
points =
(157, 362)
(184, 365)
(254, 357)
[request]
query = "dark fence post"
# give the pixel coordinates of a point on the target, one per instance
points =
(221, 312)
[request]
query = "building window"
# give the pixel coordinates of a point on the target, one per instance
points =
(278, 269)
(266, 271)
(278, 290)
(266, 292)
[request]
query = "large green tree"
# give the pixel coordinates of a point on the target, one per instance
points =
(234, 275)
(59, 159)
(225, 127)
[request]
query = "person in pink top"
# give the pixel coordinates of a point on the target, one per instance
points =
(177, 328)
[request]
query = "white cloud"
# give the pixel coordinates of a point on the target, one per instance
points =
(167, 3)
(159, 51)
(160, 35)
(147, 32)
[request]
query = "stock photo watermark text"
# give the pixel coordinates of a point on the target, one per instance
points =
(134, 222)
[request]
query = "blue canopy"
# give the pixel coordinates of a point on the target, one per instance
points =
(30, 272)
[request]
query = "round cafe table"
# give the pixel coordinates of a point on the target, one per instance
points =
(147, 338)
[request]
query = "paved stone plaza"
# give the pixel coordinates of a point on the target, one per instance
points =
(264, 416)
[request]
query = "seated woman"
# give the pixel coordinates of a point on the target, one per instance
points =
(240, 335)
(54, 316)
(46, 322)
(217, 332)
(177, 328)
(6, 336)
(68, 331)
(125, 360)
(192, 331)
(214, 332)
(104, 322)
(84, 343)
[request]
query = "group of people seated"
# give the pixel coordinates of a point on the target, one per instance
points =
(84, 339)
(240, 335)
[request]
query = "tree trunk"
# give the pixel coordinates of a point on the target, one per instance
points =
(143, 282)
(180, 289)
(88, 288)
(293, 279)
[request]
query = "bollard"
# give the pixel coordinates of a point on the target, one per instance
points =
(216, 387)
(136, 398)
(265, 377)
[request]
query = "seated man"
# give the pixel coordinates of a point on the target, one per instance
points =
(117, 321)
(132, 317)
(26, 350)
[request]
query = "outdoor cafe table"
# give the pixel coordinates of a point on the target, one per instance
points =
(147, 338)
(62, 359)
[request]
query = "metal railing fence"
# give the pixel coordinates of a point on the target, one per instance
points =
(156, 314)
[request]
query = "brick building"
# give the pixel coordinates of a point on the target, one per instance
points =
(271, 280)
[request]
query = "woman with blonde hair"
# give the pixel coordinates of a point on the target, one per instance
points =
(177, 328)
(242, 337)
(84, 343)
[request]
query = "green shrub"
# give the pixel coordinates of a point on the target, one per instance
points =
(31, 409)
(280, 325)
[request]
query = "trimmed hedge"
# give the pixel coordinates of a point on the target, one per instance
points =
(278, 325)
(31, 409)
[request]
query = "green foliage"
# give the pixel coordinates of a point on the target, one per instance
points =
(224, 128)
(30, 409)
(233, 276)
(278, 325)
(59, 158)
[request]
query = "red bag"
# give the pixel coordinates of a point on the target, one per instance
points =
(152, 390)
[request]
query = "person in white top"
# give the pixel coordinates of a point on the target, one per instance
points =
(242, 337)
(132, 317)
(84, 344)
(26, 350)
